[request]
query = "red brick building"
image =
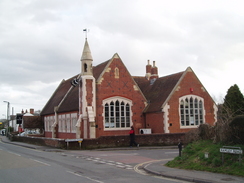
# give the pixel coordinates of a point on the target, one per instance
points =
(106, 100)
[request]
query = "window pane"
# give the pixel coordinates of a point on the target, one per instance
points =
(122, 109)
(182, 104)
(112, 106)
(106, 110)
(196, 103)
(196, 120)
(186, 103)
(116, 114)
(192, 120)
(191, 111)
(191, 102)
(187, 120)
(200, 104)
(187, 111)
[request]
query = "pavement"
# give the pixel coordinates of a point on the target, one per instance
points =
(157, 167)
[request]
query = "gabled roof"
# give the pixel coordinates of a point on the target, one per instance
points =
(58, 96)
(97, 71)
(157, 92)
(66, 96)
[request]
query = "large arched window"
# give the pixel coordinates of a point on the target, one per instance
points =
(117, 113)
(191, 111)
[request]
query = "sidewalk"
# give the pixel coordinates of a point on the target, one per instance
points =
(156, 168)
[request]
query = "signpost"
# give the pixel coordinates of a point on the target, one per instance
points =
(231, 150)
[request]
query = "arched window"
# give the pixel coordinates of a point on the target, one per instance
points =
(191, 111)
(85, 67)
(117, 113)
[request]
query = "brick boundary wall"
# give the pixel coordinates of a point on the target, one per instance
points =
(106, 141)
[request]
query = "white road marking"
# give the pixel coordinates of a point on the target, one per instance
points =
(14, 153)
(136, 168)
(119, 154)
(41, 162)
(85, 177)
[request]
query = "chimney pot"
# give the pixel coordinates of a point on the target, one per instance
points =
(31, 111)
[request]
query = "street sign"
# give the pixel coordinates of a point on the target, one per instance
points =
(231, 151)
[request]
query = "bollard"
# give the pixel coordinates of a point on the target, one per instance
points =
(180, 148)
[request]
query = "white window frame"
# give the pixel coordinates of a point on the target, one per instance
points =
(46, 123)
(63, 123)
(48, 120)
(114, 115)
(51, 122)
(60, 123)
(67, 122)
(73, 122)
(192, 114)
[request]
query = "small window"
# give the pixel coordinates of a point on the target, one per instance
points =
(85, 67)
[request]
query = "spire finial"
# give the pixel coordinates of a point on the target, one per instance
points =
(85, 30)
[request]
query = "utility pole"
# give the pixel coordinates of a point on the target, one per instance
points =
(8, 104)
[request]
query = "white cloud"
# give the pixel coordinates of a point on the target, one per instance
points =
(41, 42)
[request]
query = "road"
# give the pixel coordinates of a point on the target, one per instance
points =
(20, 164)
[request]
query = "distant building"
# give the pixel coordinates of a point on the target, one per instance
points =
(106, 100)
(31, 121)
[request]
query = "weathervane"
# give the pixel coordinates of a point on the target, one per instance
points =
(85, 30)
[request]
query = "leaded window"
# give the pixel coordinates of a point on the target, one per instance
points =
(117, 113)
(191, 111)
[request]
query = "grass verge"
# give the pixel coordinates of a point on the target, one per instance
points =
(193, 158)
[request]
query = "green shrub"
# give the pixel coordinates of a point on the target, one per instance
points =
(237, 129)
(217, 162)
(193, 157)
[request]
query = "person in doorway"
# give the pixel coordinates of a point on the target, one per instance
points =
(132, 137)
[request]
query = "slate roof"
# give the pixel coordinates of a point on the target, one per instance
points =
(157, 93)
(71, 101)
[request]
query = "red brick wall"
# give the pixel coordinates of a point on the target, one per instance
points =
(123, 87)
(63, 135)
(89, 94)
(190, 81)
(48, 134)
(107, 141)
(155, 122)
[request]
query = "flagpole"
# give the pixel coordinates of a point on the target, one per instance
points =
(85, 30)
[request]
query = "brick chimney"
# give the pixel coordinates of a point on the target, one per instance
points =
(31, 111)
(148, 70)
(154, 71)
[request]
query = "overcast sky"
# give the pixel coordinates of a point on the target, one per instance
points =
(41, 42)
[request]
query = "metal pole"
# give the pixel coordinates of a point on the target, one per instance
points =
(8, 104)
(12, 121)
